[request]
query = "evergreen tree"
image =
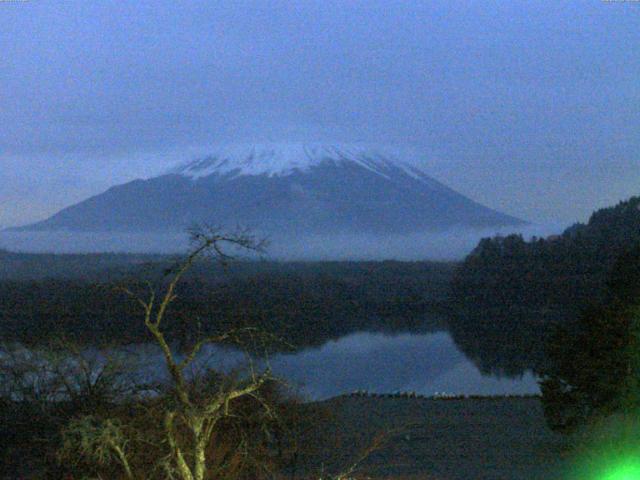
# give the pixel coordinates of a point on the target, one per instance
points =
(594, 367)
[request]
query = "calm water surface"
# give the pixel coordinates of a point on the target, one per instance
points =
(424, 363)
(427, 364)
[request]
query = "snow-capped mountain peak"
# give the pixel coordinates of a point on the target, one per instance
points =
(282, 159)
(285, 189)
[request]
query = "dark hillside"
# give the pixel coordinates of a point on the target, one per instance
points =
(508, 292)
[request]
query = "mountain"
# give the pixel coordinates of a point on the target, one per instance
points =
(283, 188)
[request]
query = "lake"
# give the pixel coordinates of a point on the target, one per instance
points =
(427, 364)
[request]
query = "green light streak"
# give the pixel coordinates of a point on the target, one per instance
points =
(609, 449)
(628, 470)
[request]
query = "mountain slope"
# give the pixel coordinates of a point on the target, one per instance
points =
(283, 188)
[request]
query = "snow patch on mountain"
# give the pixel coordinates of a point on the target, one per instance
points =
(282, 159)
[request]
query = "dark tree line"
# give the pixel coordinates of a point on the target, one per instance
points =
(594, 367)
(509, 294)
(306, 303)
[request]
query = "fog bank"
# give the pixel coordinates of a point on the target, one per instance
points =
(452, 244)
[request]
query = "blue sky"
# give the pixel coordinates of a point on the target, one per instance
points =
(531, 107)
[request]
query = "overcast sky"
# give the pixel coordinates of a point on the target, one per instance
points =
(531, 107)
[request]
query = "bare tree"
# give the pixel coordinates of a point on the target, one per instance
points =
(190, 421)
(181, 433)
(100, 441)
(62, 372)
(42, 386)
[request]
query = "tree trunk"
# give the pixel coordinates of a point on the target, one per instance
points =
(199, 449)
(183, 468)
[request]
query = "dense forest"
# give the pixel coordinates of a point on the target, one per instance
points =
(594, 363)
(33, 266)
(509, 293)
(307, 303)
